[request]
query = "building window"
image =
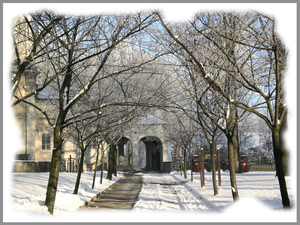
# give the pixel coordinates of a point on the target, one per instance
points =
(46, 142)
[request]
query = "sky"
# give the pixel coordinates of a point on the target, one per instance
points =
(285, 13)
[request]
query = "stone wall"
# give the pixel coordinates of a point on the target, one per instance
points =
(24, 166)
(139, 131)
(167, 167)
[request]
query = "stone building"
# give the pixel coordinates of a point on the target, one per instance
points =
(143, 146)
(150, 144)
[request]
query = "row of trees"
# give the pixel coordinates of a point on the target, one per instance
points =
(234, 64)
(95, 69)
(101, 72)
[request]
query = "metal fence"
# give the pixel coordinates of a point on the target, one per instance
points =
(257, 167)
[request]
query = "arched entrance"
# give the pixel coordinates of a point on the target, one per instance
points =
(124, 152)
(153, 153)
(156, 160)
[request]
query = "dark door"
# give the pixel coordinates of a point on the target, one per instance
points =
(155, 160)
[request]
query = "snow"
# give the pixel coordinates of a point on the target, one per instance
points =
(158, 195)
(259, 194)
(165, 197)
(29, 192)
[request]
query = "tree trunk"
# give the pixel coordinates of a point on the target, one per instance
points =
(112, 162)
(200, 168)
(279, 168)
(236, 150)
(213, 165)
(184, 164)
(231, 88)
(191, 163)
(281, 62)
(231, 159)
(285, 156)
(103, 160)
(54, 170)
(96, 165)
(115, 161)
(109, 167)
(181, 166)
(80, 169)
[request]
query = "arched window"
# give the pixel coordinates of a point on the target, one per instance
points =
(46, 142)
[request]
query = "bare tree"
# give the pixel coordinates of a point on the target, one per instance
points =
(255, 60)
(81, 48)
(84, 138)
(32, 40)
(259, 67)
(187, 57)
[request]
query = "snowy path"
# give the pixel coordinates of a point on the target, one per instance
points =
(163, 198)
(165, 193)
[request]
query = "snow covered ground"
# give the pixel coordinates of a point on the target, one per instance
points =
(162, 192)
(184, 201)
(260, 199)
(29, 192)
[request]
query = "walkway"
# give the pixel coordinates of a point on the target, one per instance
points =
(122, 195)
(164, 192)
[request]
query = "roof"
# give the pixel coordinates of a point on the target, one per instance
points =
(150, 119)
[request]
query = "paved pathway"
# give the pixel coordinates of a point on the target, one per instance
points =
(122, 195)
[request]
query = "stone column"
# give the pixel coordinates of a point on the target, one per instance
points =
(165, 151)
(170, 149)
(135, 153)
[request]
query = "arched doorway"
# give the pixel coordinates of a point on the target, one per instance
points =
(153, 153)
(124, 152)
(156, 160)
